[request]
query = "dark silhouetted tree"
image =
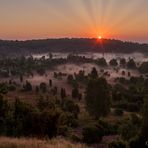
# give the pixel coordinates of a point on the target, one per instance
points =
(98, 97)
(28, 86)
(131, 64)
(43, 87)
(123, 62)
(37, 89)
(50, 83)
(113, 62)
(21, 78)
(94, 73)
(144, 130)
(102, 62)
(75, 93)
(63, 93)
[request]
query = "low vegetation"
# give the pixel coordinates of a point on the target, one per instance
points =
(91, 107)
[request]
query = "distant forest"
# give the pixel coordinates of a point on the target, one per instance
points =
(69, 45)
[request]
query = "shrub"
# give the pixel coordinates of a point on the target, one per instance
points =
(11, 88)
(70, 78)
(131, 64)
(44, 103)
(128, 130)
(113, 62)
(75, 93)
(43, 87)
(133, 107)
(62, 130)
(144, 68)
(109, 129)
(136, 119)
(67, 118)
(118, 112)
(123, 62)
(137, 142)
(117, 144)
(92, 134)
(27, 86)
(102, 62)
(75, 138)
(3, 88)
(71, 107)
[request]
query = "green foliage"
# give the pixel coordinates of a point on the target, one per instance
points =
(127, 131)
(12, 87)
(123, 62)
(50, 83)
(131, 64)
(109, 128)
(118, 144)
(135, 119)
(137, 142)
(144, 129)
(102, 62)
(70, 78)
(98, 97)
(41, 70)
(46, 123)
(68, 119)
(113, 62)
(47, 119)
(27, 86)
(92, 134)
(43, 87)
(45, 102)
(37, 89)
(71, 107)
(54, 91)
(50, 55)
(4, 109)
(94, 73)
(21, 78)
(130, 128)
(75, 138)
(75, 93)
(3, 88)
(118, 112)
(3, 106)
(80, 77)
(144, 67)
(62, 130)
(63, 93)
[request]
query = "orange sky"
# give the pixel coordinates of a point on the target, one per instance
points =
(32, 19)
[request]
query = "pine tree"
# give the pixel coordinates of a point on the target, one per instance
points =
(98, 97)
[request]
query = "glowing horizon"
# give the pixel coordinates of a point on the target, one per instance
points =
(35, 19)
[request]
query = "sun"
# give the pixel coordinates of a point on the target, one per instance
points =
(99, 37)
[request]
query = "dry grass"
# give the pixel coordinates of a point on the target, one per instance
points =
(6, 142)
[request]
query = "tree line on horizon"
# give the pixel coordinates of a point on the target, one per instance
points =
(69, 45)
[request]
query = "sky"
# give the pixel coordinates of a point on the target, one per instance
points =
(38, 19)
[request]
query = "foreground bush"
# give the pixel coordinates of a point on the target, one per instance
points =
(138, 142)
(19, 119)
(144, 67)
(118, 112)
(117, 144)
(109, 128)
(92, 134)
